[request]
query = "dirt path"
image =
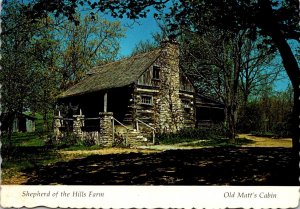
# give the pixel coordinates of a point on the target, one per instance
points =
(266, 141)
(257, 142)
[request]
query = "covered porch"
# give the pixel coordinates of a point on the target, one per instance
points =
(105, 117)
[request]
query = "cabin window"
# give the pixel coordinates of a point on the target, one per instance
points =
(156, 71)
(186, 104)
(146, 99)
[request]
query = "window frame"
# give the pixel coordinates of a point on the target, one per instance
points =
(155, 72)
(143, 97)
(186, 103)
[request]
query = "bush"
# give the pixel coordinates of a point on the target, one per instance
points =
(69, 139)
(250, 119)
(262, 134)
(282, 129)
(191, 134)
(222, 142)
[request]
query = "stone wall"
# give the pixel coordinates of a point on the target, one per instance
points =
(170, 111)
(78, 123)
(57, 125)
(106, 129)
(167, 113)
(104, 136)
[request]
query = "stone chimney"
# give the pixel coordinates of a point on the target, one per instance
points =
(170, 44)
(170, 106)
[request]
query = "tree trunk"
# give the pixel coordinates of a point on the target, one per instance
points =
(290, 64)
(231, 123)
(10, 121)
(45, 122)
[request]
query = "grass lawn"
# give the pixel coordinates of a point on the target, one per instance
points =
(30, 151)
(32, 161)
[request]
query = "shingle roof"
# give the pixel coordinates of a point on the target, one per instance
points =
(205, 101)
(113, 75)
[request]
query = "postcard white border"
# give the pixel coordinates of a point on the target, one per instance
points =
(150, 196)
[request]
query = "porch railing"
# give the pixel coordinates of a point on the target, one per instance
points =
(147, 125)
(91, 127)
(67, 123)
(114, 120)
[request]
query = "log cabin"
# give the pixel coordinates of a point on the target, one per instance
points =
(146, 90)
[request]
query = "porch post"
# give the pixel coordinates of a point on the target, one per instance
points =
(105, 102)
(106, 129)
(78, 123)
(57, 125)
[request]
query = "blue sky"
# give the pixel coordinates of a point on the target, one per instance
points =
(143, 29)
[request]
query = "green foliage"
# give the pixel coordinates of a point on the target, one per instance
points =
(221, 142)
(283, 129)
(86, 142)
(250, 118)
(191, 134)
(144, 46)
(202, 138)
(80, 146)
(71, 141)
(21, 62)
(262, 134)
(23, 139)
(80, 47)
(46, 54)
(270, 113)
(29, 150)
(119, 141)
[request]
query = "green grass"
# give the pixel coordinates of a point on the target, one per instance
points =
(170, 141)
(30, 150)
(76, 147)
(24, 139)
(221, 142)
(263, 134)
(190, 135)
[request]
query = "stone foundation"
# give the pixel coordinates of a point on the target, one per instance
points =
(57, 126)
(78, 123)
(106, 129)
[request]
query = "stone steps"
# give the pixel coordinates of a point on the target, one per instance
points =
(134, 137)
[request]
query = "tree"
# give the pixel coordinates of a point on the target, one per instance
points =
(276, 21)
(217, 60)
(144, 46)
(42, 55)
(269, 112)
(149, 45)
(260, 68)
(95, 41)
(21, 61)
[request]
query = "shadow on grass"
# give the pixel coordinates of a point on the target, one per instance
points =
(21, 157)
(210, 166)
